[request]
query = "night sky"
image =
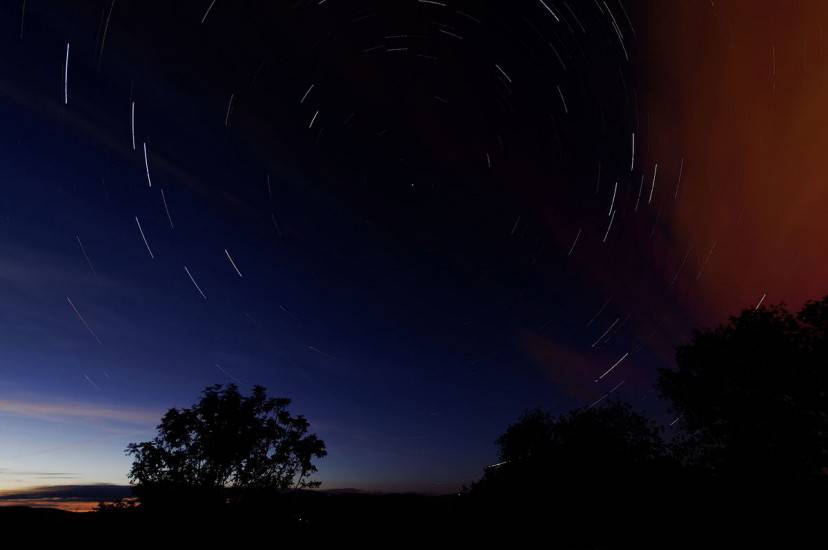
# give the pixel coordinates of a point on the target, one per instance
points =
(414, 218)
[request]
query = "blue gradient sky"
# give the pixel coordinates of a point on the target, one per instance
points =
(422, 288)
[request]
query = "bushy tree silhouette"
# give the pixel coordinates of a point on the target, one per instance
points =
(752, 396)
(223, 446)
(605, 446)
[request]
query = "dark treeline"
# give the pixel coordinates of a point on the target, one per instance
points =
(750, 402)
(750, 441)
(751, 438)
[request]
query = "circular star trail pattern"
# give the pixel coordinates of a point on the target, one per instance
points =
(415, 218)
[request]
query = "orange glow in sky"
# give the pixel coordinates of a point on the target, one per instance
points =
(738, 90)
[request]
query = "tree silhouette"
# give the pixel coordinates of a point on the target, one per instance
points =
(751, 396)
(603, 446)
(225, 444)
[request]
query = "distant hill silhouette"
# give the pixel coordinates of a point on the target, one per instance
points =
(90, 492)
(66, 497)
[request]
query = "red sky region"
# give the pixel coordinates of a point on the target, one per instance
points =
(738, 89)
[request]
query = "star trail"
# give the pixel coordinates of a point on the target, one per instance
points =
(416, 219)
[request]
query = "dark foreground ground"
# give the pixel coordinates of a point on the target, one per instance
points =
(601, 521)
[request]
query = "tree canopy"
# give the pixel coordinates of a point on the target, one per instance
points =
(752, 395)
(227, 441)
(604, 445)
(751, 401)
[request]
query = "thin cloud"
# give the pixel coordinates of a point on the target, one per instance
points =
(61, 475)
(56, 411)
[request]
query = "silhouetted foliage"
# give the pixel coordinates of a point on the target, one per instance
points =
(223, 447)
(752, 396)
(751, 399)
(120, 505)
(602, 446)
